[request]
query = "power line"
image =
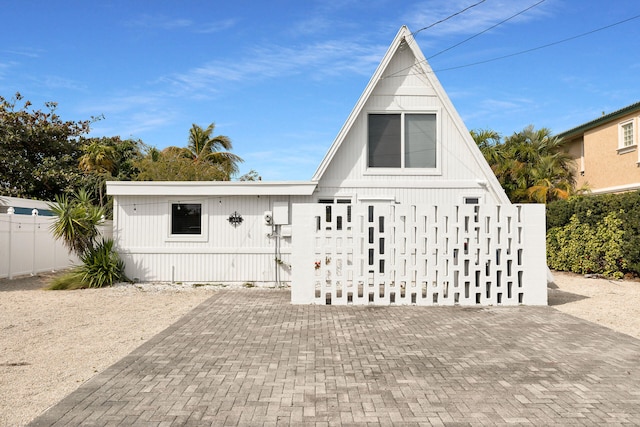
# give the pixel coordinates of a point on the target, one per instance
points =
(448, 17)
(542, 46)
(464, 41)
(488, 29)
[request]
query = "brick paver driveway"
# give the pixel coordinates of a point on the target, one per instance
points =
(248, 357)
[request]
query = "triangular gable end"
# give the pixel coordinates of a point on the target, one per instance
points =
(402, 40)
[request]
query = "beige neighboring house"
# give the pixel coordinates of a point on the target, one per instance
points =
(606, 151)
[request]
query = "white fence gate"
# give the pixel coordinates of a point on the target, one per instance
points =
(28, 247)
(425, 255)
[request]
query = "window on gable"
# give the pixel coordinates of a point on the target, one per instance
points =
(186, 218)
(404, 140)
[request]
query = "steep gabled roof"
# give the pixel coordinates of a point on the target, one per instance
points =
(404, 38)
(600, 121)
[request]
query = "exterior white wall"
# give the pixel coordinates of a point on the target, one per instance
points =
(460, 173)
(402, 83)
(419, 254)
(224, 253)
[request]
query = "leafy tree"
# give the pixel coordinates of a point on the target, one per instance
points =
(202, 159)
(531, 165)
(208, 150)
(39, 151)
(172, 165)
(108, 158)
(252, 175)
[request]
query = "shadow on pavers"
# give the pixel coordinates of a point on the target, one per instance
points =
(557, 297)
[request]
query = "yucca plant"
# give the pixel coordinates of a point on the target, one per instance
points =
(77, 221)
(76, 225)
(101, 265)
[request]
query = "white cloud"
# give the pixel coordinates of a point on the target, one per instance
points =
(214, 27)
(26, 52)
(159, 22)
(170, 24)
(474, 20)
(319, 59)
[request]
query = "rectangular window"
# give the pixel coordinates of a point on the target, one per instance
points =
(186, 218)
(402, 140)
(384, 141)
(627, 134)
(420, 141)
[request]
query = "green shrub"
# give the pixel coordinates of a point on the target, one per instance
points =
(592, 210)
(101, 265)
(582, 248)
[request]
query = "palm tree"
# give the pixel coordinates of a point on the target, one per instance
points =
(99, 159)
(207, 148)
(531, 165)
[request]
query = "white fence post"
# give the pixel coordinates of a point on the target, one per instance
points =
(34, 215)
(302, 236)
(10, 211)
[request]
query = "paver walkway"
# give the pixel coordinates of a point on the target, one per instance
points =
(248, 357)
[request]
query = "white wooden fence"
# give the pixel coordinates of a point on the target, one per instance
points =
(28, 247)
(425, 255)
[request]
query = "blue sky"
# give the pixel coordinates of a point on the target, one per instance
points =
(280, 77)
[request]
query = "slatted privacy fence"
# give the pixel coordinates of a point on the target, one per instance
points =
(27, 245)
(411, 254)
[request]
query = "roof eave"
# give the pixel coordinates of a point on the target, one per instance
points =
(211, 188)
(581, 129)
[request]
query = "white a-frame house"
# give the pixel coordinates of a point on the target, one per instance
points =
(402, 209)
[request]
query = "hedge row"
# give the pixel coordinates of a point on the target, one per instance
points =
(595, 234)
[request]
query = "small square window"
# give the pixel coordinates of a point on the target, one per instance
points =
(186, 218)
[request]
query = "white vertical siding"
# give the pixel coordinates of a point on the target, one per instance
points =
(245, 253)
(403, 89)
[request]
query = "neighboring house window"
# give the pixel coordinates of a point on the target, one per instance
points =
(186, 218)
(404, 140)
(627, 137)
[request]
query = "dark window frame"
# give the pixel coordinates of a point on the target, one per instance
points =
(186, 219)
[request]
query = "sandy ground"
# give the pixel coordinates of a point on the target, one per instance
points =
(53, 341)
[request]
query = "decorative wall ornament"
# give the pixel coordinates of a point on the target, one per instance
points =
(235, 219)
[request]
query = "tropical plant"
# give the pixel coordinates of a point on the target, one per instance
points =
(108, 158)
(172, 165)
(77, 221)
(531, 165)
(205, 148)
(98, 159)
(101, 265)
(77, 225)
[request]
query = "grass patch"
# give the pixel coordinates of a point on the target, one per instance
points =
(73, 279)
